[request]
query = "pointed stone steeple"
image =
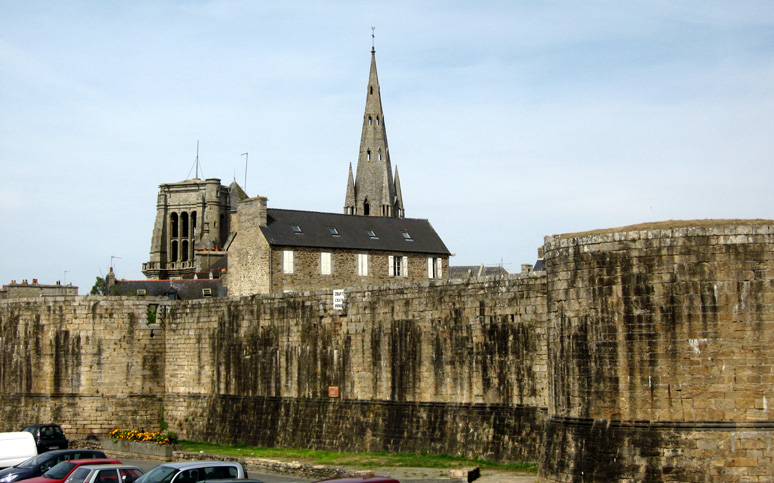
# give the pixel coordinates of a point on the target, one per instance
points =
(398, 196)
(349, 201)
(374, 188)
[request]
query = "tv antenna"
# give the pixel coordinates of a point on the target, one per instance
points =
(111, 260)
(196, 163)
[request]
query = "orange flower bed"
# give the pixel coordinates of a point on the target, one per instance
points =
(141, 436)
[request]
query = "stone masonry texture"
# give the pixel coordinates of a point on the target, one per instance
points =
(660, 355)
(638, 355)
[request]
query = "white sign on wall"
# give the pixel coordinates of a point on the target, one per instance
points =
(338, 299)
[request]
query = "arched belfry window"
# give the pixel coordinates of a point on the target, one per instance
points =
(174, 251)
(366, 208)
(370, 120)
(173, 222)
(380, 155)
(377, 120)
(184, 224)
(368, 155)
(185, 251)
(371, 89)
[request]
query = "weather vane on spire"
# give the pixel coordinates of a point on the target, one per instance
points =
(373, 40)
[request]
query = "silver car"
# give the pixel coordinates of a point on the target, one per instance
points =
(112, 473)
(192, 472)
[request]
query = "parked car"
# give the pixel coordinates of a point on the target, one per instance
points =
(37, 465)
(16, 447)
(361, 479)
(192, 472)
(232, 480)
(47, 436)
(104, 474)
(61, 471)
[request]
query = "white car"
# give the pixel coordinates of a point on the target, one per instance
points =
(109, 473)
(16, 447)
(192, 472)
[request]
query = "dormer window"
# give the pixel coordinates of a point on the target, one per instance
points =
(334, 231)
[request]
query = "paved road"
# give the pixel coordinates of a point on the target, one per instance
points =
(405, 475)
(266, 478)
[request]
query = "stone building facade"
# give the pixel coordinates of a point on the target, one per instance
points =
(25, 290)
(192, 227)
(289, 250)
(203, 228)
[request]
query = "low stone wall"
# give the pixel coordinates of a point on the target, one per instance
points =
(137, 450)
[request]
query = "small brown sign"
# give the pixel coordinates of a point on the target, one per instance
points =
(333, 391)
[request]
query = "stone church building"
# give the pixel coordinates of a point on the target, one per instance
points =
(207, 231)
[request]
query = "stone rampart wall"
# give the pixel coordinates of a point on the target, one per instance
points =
(640, 355)
(417, 366)
(407, 361)
(88, 362)
(661, 355)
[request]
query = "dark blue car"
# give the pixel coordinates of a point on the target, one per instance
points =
(41, 463)
(47, 436)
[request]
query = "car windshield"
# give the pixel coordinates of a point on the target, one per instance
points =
(159, 474)
(51, 432)
(34, 461)
(79, 474)
(59, 471)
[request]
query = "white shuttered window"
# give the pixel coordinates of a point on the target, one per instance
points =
(325, 263)
(398, 266)
(287, 261)
(362, 264)
(434, 267)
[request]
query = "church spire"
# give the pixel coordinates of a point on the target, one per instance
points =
(374, 187)
(398, 196)
(349, 201)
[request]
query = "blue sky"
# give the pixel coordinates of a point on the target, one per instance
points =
(507, 120)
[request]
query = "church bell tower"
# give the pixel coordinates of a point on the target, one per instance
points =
(374, 191)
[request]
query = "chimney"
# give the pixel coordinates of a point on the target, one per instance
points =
(110, 281)
(252, 211)
(34, 281)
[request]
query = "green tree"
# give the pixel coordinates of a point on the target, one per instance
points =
(100, 287)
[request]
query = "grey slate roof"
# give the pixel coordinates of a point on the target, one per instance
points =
(465, 271)
(183, 289)
(353, 232)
